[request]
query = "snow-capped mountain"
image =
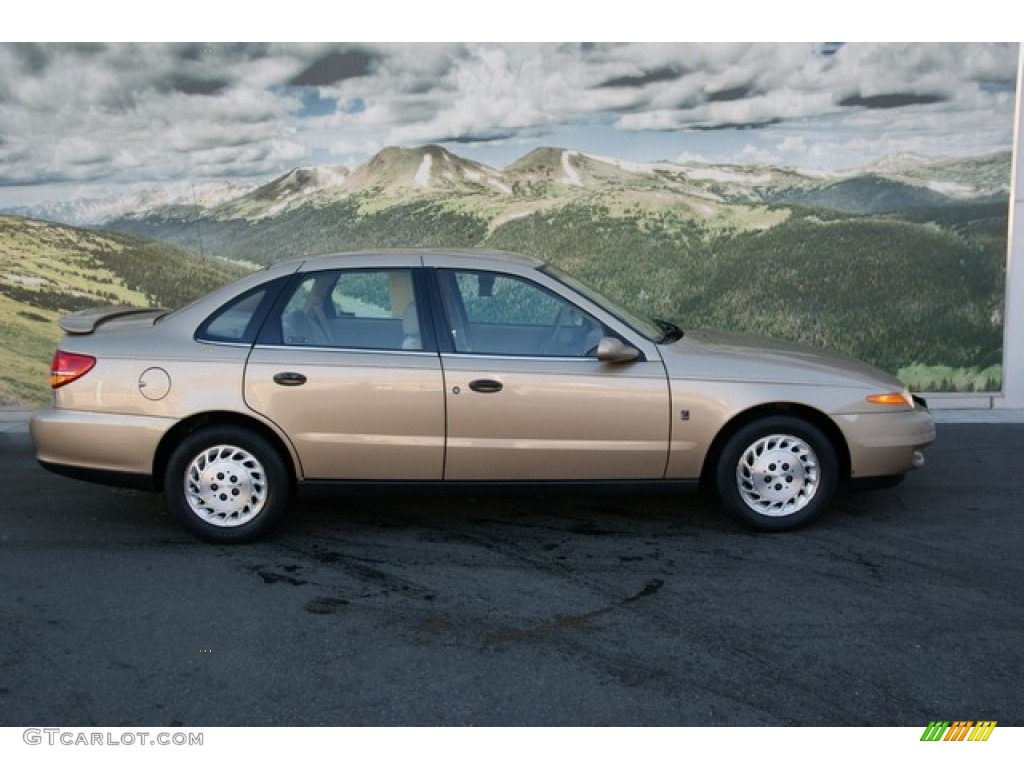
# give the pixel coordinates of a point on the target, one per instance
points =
(91, 211)
(292, 189)
(399, 170)
(545, 177)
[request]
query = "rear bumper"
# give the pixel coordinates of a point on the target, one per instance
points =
(102, 476)
(113, 449)
(887, 444)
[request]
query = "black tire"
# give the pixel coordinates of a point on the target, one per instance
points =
(227, 484)
(777, 473)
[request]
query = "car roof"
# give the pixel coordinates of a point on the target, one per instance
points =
(472, 257)
(465, 258)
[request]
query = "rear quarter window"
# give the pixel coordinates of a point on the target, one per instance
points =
(239, 320)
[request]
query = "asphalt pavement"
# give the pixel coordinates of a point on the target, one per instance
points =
(899, 607)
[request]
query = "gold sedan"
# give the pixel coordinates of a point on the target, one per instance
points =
(455, 367)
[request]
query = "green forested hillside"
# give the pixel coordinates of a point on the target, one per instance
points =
(910, 291)
(889, 290)
(312, 230)
(864, 194)
(47, 270)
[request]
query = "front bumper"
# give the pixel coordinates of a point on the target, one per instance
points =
(887, 444)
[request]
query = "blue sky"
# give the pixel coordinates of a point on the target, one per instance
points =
(85, 120)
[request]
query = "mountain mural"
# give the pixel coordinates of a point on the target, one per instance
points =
(901, 263)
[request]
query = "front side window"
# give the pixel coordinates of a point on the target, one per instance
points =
(492, 313)
(647, 328)
(355, 309)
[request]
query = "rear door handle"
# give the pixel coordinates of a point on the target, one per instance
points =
(289, 379)
(486, 386)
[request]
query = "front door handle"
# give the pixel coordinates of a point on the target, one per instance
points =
(289, 379)
(486, 386)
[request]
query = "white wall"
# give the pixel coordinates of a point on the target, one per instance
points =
(1013, 345)
(1012, 395)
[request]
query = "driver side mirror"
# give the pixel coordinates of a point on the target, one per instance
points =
(612, 350)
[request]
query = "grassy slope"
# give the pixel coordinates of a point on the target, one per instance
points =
(47, 270)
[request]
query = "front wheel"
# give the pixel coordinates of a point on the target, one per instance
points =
(777, 473)
(227, 484)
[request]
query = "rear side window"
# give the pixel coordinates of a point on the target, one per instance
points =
(353, 309)
(238, 320)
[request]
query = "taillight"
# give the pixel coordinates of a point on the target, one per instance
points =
(67, 366)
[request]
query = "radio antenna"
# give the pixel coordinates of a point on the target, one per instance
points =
(199, 228)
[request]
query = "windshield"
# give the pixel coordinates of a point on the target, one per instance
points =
(646, 328)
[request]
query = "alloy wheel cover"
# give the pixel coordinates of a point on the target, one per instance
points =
(225, 486)
(778, 475)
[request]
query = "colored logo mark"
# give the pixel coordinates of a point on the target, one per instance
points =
(958, 730)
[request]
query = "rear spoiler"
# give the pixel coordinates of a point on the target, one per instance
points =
(88, 320)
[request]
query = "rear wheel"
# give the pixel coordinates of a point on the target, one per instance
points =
(227, 484)
(777, 473)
